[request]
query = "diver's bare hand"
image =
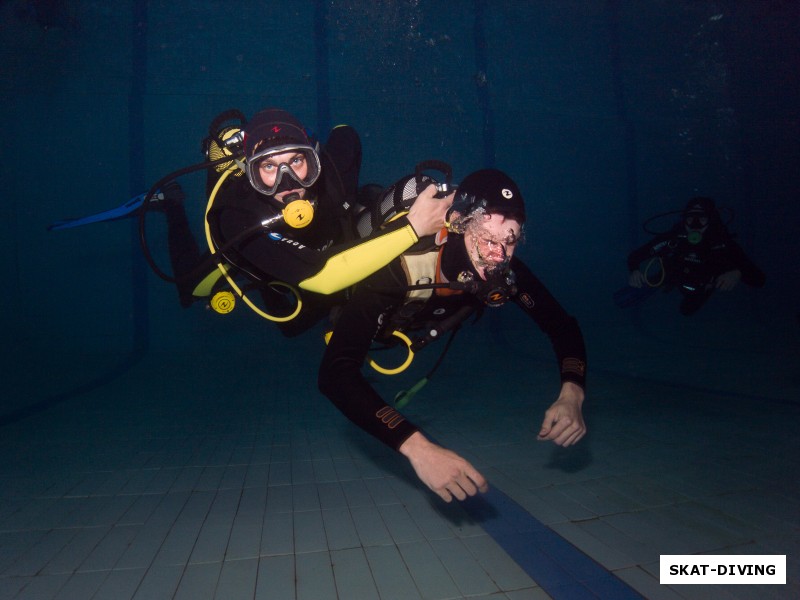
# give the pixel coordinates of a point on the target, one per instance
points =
(636, 279)
(442, 470)
(563, 421)
(427, 213)
(728, 280)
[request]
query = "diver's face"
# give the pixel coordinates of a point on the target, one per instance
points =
(695, 223)
(491, 240)
(269, 167)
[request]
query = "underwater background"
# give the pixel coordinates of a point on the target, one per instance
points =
(604, 112)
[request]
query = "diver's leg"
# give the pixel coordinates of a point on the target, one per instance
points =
(315, 309)
(344, 150)
(691, 303)
(369, 195)
(184, 253)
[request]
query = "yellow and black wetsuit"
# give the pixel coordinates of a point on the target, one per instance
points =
(321, 259)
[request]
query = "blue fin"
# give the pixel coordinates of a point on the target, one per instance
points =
(628, 296)
(120, 212)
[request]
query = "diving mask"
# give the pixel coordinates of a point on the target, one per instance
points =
(696, 222)
(284, 167)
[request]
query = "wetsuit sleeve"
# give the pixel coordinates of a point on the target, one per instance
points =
(562, 329)
(347, 266)
(340, 377)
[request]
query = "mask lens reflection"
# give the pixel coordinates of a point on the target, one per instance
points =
(490, 247)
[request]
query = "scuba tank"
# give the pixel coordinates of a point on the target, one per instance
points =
(397, 199)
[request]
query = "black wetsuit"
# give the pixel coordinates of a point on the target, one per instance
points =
(287, 254)
(293, 254)
(693, 268)
(284, 253)
(369, 314)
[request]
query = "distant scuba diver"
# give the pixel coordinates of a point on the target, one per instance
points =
(697, 256)
(279, 222)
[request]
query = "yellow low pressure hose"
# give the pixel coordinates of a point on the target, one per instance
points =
(224, 269)
(383, 370)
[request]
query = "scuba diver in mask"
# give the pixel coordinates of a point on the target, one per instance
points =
(698, 256)
(281, 217)
(279, 222)
(431, 290)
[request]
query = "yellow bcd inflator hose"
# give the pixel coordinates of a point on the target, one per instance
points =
(383, 370)
(224, 269)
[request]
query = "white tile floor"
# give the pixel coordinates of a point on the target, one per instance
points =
(236, 481)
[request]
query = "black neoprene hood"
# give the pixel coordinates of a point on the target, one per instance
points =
(495, 191)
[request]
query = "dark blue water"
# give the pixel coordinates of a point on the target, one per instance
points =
(604, 112)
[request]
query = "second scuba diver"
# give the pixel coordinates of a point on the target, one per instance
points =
(283, 216)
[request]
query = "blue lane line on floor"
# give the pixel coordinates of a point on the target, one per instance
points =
(563, 571)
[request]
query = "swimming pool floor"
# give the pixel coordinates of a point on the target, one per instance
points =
(219, 478)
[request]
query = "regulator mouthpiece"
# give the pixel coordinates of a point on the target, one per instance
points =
(298, 213)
